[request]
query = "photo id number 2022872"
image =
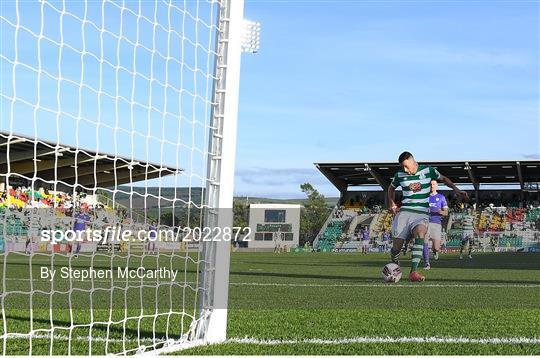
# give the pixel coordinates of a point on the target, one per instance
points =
(235, 233)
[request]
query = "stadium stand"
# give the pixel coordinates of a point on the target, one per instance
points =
(508, 214)
(513, 228)
(23, 210)
(382, 222)
(331, 234)
(533, 215)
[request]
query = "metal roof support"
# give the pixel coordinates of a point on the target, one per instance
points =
(20, 156)
(378, 177)
(473, 179)
(69, 172)
(110, 179)
(31, 166)
(520, 176)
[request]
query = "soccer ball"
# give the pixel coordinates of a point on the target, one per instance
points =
(391, 273)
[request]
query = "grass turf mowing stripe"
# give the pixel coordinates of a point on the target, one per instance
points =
(77, 338)
(415, 285)
(356, 349)
(366, 345)
(272, 297)
(279, 284)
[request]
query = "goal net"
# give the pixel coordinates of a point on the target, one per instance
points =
(117, 143)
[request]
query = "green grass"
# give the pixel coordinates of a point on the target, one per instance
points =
(301, 298)
(365, 349)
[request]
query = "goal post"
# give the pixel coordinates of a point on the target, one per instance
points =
(212, 326)
(220, 187)
(117, 116)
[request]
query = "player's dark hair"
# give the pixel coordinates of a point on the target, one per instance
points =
(404, 156)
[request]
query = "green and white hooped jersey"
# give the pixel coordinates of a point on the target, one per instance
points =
(468, 223)
(416, 188)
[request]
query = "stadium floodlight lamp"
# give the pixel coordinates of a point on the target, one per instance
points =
(251, 36)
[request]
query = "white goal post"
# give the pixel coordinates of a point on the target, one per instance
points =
(220, 186)
(117, 115)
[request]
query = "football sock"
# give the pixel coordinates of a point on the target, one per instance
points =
(425, 253)
(417, 253)
(394, 255)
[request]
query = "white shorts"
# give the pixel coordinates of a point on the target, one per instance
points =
(434, 231)
(405, 222)
(365, 243)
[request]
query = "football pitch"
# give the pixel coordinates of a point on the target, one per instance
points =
(302, 303)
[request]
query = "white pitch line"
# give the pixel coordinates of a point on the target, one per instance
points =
(272, 342)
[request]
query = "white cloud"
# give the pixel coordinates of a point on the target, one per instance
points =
(280, 182)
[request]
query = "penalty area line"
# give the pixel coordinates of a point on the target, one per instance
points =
(281, 284)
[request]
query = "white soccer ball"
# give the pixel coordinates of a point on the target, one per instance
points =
(391, 273)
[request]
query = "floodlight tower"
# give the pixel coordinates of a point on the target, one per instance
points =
(251, 38)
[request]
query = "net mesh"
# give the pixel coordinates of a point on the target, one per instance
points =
(106, 116)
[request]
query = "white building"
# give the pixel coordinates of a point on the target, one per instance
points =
(274, 224)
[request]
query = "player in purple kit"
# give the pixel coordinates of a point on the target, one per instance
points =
(438, 207)
(365, 240)
(81, 219)
(386, 240)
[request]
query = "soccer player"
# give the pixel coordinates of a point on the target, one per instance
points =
(413, 217)
(492, 243)
(81, 219)
(467, 237)
(152, 237)
(365, 240)
(444, 236)
(34, 226)
(277, 242)
(438, 207)
(385, 239)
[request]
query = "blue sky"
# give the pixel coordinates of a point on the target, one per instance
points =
(129, 82)
(363, 81)
(333, 81)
